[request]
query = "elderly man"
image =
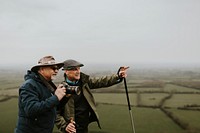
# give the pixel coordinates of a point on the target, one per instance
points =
(38, 98)
(76, 112)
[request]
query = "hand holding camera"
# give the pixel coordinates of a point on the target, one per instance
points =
(60, 92)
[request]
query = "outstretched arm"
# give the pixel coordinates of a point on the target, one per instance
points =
(107, 81)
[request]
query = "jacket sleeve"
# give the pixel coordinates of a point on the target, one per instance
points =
(60, 122)
(105, 81)
(32, 104)
(65, 112)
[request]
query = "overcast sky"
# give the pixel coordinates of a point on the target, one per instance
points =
(100, 31)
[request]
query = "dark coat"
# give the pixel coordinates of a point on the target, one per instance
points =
(37, 106)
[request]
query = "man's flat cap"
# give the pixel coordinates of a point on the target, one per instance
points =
(69, 64)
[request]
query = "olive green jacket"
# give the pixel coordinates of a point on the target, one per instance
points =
(66, 109)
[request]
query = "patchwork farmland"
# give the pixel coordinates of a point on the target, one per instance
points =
(162, 101)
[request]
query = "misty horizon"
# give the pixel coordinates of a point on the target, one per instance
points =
(113, 66)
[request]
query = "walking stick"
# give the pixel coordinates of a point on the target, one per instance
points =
(129, 106)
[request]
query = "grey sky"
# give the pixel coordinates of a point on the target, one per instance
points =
(100, 31)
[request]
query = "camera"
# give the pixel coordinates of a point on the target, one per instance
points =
(71, 89)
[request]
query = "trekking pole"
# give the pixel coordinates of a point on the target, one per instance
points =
(129, 106)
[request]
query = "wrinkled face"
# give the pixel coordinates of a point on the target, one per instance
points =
(49, 72)
(73, 74)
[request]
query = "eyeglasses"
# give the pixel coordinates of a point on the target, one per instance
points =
(54, 68)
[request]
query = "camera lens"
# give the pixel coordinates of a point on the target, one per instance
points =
(71, 89)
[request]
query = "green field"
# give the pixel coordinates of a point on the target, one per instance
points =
(180, 100)
(114, 116)
(113, 119)
(116, 119)
(157, 104)
(8, 115)
(152, 99)
(190, 117)
(114, 98)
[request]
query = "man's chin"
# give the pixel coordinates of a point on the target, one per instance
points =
(53, 77)
(77, 78)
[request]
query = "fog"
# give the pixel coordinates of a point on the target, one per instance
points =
(115, 32)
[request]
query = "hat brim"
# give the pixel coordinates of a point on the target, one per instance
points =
(80, 65)
(35, 68)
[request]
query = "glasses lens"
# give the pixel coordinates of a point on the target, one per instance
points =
(54, 68)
